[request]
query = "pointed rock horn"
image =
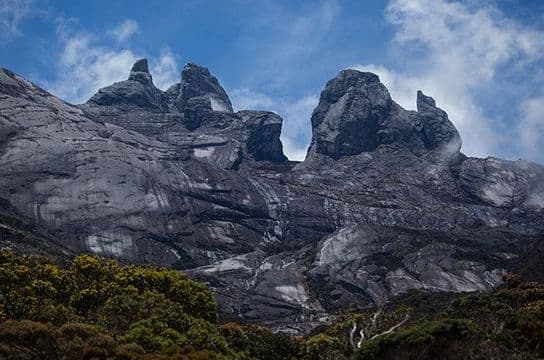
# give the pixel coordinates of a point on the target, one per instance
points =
(140, 66)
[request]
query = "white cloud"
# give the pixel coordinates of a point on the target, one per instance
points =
(165, 69)
(296, 114)
(246, 99)
(12, 12)
(124, 30)
(531, 128)
(458, 49)
(292, 149)
(86, 65)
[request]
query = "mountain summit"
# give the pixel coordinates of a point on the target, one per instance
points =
(356, 114)
(384, 202)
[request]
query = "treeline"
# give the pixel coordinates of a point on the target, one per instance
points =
(98, 309)
(505, 324)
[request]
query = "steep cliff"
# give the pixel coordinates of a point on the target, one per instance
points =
(384, 202)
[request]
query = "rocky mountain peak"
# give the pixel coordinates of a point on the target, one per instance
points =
(197, 81)
(195, 114)
(140, 66)
(424, 102)
(350, 111)
(369, 215)
(140, 72)
(137, 92)
(436, 130)
(356, 114)
(351, 77)
(194, 70)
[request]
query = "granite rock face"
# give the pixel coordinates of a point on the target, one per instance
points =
(348, 117)
(196, 82)
(356, 114)
(435, 128)
(138, 92)
(384, 202)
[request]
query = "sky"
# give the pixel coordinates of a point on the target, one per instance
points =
(482, 61)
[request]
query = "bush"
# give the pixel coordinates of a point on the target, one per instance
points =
(322, 347)
(258, 342)
(99, 309)
(154, 309)
(421, 340)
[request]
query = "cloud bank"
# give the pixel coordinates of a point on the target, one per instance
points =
(450, 51)
(531, 128)
(12, 13)
(88, 63)
(124, 30)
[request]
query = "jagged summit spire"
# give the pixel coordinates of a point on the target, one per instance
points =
(140, 66)
(356, 114)
(192, 68)
(424, 101)
(349, 113)
(136, 92)
(140, 72)
(197, 81)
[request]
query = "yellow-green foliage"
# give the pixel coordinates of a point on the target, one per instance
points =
(98, 309)
(505, 324)
(101, 300)
(426, 335)
(322, 347)
(258, 342)
(32, 289)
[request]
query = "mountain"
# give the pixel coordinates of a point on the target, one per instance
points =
(384, 202)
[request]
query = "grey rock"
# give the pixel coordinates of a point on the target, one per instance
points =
(140, 66)
(22, 235)
(196, 111)
(196, 81)
(196, 107)
(356, 114)
(436, 129)
(507, 184)
(138, 92)
(348, 116)
(140, 72)
(262, 136)
(383, 203)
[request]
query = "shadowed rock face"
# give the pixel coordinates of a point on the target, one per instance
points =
(348, 116)
(195, 116)
(196, 81)
(383, 203)
(138, 92)
(434, 127)
(356, 114)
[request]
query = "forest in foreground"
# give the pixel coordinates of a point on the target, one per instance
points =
(94, 308)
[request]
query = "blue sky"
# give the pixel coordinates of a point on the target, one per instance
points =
(481, 60)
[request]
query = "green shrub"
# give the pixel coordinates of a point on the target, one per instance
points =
(322, 347)
(429, 334)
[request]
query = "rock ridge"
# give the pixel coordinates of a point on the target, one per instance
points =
(384, 202)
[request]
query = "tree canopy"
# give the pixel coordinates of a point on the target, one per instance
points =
(96, 308)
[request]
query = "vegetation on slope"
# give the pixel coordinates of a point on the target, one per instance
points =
(98, 309)
(507, 324)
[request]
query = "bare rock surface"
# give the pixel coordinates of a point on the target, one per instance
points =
(385, 201)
